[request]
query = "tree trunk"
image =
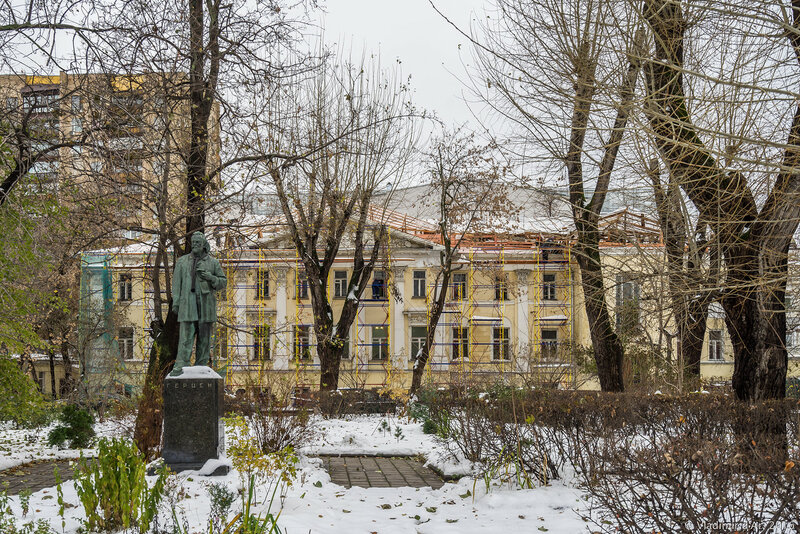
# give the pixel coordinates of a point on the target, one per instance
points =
(329, 350)
(150, 417)
(330, 345)
(691, 332)
(51, 353)
(329, 363)
(756, 322)
(166, 335)
(608, 349)
(67, 363)
(686, 289)
(202, 87)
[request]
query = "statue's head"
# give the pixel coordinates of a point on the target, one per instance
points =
(199, 244)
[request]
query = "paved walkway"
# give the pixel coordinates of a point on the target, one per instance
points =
(34, 476)
(378, 472)
(347, 471)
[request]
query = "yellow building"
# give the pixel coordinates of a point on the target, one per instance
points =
(514, 311)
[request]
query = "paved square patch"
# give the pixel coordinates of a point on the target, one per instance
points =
(34, 476)
(379, 472)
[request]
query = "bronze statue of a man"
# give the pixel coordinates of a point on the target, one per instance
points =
(197, 276)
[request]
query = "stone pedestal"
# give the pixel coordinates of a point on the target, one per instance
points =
(193, 429)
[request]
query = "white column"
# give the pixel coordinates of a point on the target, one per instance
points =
(440, 353)
(283, 327)
(239, 295)
(523, 328)
(399, 352)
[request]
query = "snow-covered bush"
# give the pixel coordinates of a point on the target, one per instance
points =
(486, 428)
(697, 463)
(276, 427)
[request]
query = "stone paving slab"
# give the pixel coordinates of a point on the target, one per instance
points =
(380, 472)
(34, 476)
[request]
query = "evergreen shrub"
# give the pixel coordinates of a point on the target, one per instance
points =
(75, 426)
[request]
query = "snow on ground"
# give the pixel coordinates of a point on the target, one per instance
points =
(19, 445)
(368, 435)
(315, 504)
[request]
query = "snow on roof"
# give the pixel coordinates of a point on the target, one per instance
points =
(138, 247)
(37, 356)
(529, 209)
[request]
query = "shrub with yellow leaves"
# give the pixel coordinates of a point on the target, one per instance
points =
(250, 461)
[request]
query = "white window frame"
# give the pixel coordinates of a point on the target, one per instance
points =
(419, 283)
(125, 287)
(501, 343)
(262, 284)
(628, 301)
(549, 345)
(379, 350)
(501, 287)
(261, 343)
(417, 342)
(459, 348)
(302, 342)
(459, 286)
(126, 343)
(716, 345)
(549, 291)
(339, 284)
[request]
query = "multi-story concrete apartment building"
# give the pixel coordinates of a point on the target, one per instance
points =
(113, 145)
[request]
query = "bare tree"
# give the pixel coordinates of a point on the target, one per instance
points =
(753, 241)
(352, 130)
(691, 270)
(565, 74)
(466, 180)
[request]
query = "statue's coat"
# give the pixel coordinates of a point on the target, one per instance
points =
(182, 285)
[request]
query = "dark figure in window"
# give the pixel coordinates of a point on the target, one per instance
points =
(378, 286)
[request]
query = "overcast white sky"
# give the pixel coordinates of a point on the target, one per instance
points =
(411, 31)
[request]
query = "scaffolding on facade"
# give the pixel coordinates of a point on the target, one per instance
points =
(493, 293)
(482, 299)
(373, 354)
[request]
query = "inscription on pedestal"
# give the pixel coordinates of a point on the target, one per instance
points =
(193, 408)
